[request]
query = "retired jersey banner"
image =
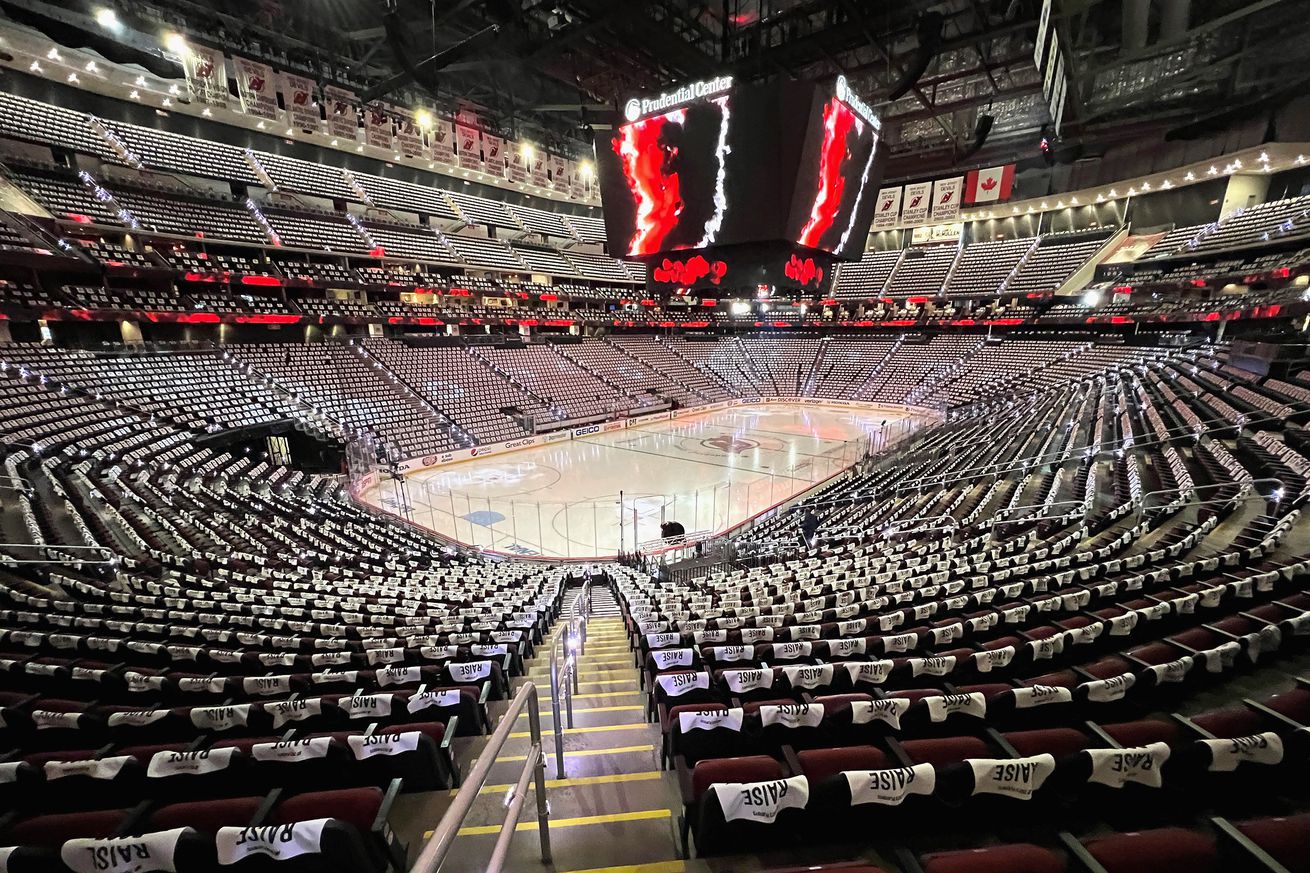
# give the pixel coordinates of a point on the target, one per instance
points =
(946, 198)
(342, 112)
(206, 75)
(442, 140)
(378, 127)
(470, 148)
(915, 202)
(493, 153)
(256, 88)
(409, 139)
(889, 208)
(298, 97)
(990, 185)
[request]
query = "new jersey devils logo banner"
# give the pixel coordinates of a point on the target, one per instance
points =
(946, 198)
(378, 127)
(206, 75)
(298, 97)
(915, 203)
(888, 212)
(342, 114)
(255, 84)
(561, 173)
(516, 163)
(469, 143)
(442, 140)
(409, 139)
(493, 154)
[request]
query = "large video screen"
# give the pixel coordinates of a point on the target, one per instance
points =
(786, 163)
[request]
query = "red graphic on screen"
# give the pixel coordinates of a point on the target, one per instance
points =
(838, 120)
(690, 271)
(804, 272)
(647, 166)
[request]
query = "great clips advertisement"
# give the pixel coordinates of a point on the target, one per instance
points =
(773, 163)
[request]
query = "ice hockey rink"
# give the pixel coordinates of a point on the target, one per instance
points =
(711, 471)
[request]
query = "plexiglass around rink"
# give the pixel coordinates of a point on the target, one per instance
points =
(598, 495)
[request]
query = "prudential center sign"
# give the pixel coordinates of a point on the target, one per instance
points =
(637, 107)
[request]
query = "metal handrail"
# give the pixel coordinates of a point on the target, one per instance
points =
(435, 850)
(556, 687)
(568, 645)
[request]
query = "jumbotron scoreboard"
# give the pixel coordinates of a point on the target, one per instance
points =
(723, 186)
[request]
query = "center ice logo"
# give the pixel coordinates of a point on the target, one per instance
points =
(729, 444)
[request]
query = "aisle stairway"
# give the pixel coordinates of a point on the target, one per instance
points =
(614, 811)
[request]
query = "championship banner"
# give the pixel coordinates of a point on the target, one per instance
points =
(889, 208)
(409, 139)
(255, 87)
(915, 201)
(518, 164)
(470, 149)
(493, 150)
(946, 198)
(537, 169)
(298, 96)
(442, 140)
(342, 112)
(561, 173)
(580, 183)
(206, 75)
(377, 127)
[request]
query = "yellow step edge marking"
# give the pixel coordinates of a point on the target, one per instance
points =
(596, 709)
(577, 782)
(581, 821)
(607, 659)
(583, 753)
(594, 683)
(598, 694)
(636, 726)
(656, 867)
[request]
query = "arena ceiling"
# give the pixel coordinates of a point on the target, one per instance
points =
(553, 67)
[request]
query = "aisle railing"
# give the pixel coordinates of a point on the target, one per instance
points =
(568, 646)
(435, 850)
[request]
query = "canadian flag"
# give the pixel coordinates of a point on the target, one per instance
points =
(989, 185)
